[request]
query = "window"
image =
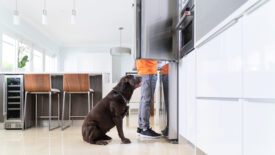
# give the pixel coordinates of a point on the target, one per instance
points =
(50, 63)
(8, 53)
(13, 51)
(37, 61)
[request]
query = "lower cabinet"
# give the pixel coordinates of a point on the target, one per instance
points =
(259, 128)
(219, 127)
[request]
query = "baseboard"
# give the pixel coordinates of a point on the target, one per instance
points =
(183, 140)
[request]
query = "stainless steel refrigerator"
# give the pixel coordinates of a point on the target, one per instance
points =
(158, 39)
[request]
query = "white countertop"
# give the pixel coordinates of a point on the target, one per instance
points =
(53, 74)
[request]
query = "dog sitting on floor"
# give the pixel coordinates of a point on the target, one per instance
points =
(109, 112)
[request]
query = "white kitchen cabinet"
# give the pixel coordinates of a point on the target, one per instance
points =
(219, 65)
(259, 52)
(259, 127)
(187, 97)
(219, 127)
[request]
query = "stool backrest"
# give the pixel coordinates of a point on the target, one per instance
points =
(76, 82)
(37, 82)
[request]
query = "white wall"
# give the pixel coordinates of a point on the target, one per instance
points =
(120, 65)
(79, 60)
(96, 59)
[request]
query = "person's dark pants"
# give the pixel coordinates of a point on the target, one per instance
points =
(147, 94)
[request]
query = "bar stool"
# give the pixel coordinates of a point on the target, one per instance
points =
(75, 84)
(40, 84)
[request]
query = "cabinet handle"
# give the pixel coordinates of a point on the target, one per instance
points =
(221, 30)
(256, 6)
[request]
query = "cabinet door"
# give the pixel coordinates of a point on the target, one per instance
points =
(187, 97)
(219, 127)
(219, 65)
(259, 52)
(259, 127)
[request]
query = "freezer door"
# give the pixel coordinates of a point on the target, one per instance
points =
(156, 36)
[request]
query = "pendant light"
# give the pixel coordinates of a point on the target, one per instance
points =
(120, 50)
(73, 17)
(44, 15)
(16, 19)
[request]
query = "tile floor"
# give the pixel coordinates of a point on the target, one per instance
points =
(69, 142)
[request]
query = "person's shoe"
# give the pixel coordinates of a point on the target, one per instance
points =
(149, 133)
(139, 131)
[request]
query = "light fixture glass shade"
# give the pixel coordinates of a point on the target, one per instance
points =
(44, 17)
(120, 51)
(16, 19)
(73, 17)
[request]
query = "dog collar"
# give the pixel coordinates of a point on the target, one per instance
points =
(125, 100)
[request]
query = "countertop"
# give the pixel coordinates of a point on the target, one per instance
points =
(53, 74)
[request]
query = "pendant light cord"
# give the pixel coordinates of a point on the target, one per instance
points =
(120, 29)
(16, 5)
(44, 4)
(120, 38)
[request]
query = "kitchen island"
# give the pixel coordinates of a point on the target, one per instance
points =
(79, 101)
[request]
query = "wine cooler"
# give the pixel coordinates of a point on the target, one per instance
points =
(13, 101)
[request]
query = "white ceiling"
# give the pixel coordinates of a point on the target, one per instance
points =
(97, 20)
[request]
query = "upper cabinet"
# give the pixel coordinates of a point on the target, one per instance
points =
(259, 52)
(210, 13)
(219, 65)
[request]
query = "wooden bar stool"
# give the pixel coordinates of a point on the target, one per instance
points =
(40, 84)
(75, 84)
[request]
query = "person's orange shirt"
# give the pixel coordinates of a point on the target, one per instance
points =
(165, 69)
(145, 67)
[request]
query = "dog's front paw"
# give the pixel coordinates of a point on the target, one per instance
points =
(126, 141)
(101, 142)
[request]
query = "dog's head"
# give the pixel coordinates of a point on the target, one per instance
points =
(132, 81)
(127, 85)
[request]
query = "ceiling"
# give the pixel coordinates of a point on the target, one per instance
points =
(97, 20)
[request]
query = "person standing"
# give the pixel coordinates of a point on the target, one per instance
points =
(147, 69)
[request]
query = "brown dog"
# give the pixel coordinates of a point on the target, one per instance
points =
(109, 112)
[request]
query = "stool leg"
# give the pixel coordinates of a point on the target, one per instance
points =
(25, 107)
(63, 110)
(58, 108)
(36, 110)
(70, 106)
(50, 110)
(92, 100)
(63, 113)
(89, 102)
